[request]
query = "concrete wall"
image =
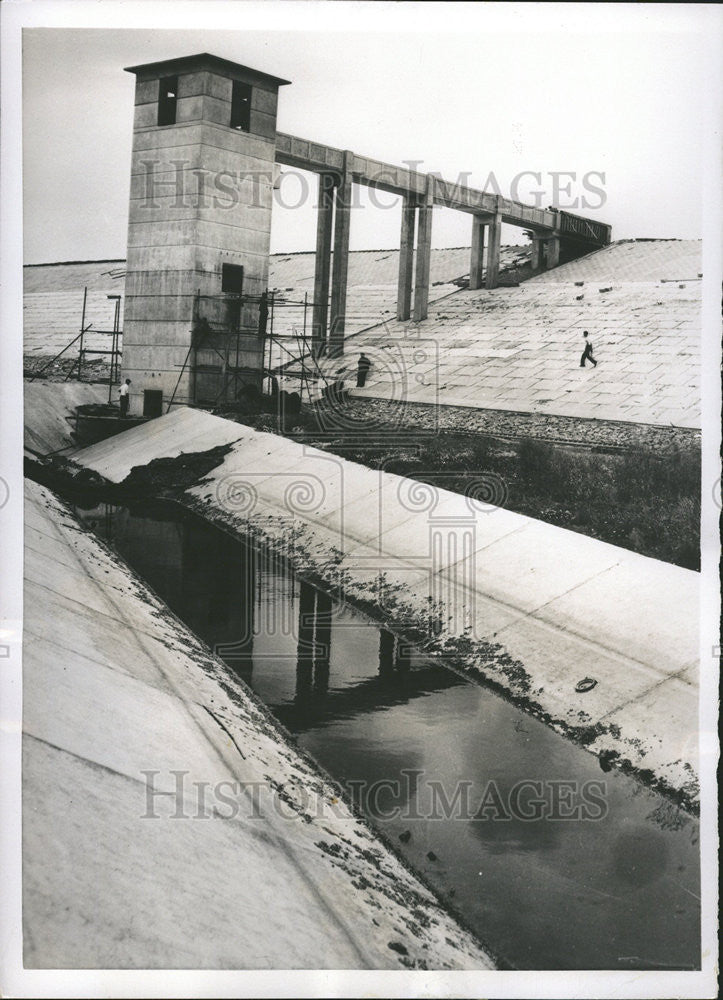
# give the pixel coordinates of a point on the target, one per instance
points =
(200, 198)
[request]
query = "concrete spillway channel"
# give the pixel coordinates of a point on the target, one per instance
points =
(527, 607)
(167, 822)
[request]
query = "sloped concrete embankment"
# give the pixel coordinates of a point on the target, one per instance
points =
(49, 413)
(518, 349)
(527, 606)
(167, 820)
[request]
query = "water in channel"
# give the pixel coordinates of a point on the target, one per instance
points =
(553, 862)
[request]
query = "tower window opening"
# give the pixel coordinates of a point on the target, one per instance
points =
(241, 106)
(232, 279)
(167, 96)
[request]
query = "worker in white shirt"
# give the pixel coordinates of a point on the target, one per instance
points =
(124, 397)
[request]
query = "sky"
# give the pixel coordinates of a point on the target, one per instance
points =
(621, 97)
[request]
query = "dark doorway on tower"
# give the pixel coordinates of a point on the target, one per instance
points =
(232, 279)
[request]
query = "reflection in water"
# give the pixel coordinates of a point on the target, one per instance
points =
(393, 654)
(473, 787)
(641, 856)
(312, 665)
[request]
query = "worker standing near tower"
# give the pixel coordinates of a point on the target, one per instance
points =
(362, 369)
(124, 397)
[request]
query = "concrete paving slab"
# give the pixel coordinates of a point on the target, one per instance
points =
(114, 734)
(97, 654)
(529, 639)
(410, 535)
(637, 628)
(629, 324)
(46, 574)
(465, 612)
(674, 757)
(367, 520)
(529, 568)
(209, 924)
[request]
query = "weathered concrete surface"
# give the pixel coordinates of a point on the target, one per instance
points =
(373, 280)
(513, 349)
(53, 293)
(178, 248)
(48, 409)
(529, 606)
(519, 348)
(634, 260)
(115, 686)
(182, 431)
(53, 303)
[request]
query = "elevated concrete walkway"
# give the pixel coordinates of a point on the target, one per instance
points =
(114, 686)
(532, 607)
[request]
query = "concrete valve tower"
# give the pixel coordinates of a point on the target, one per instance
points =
(203, 163)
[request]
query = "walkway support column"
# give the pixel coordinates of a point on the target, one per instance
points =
(340, 265)
(406, 258)
(424, 254)
(538, 255)
(553, 252)
(477, 253)
(493, 252)
(322, 264)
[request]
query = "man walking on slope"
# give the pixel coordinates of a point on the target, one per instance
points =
(587, 353)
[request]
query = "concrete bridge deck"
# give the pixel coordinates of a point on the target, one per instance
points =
(115, 686)
(530, 606)
(306, 154)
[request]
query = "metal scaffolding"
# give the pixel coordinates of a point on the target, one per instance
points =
(114, 353)
(296, 359)
(301, 361)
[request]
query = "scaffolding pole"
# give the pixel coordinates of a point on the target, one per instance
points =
(82, 331)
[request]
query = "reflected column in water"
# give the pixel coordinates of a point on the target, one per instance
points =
(393, 655)
(322, 643)
(314, 646)
(219, 589)
(386, 653)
